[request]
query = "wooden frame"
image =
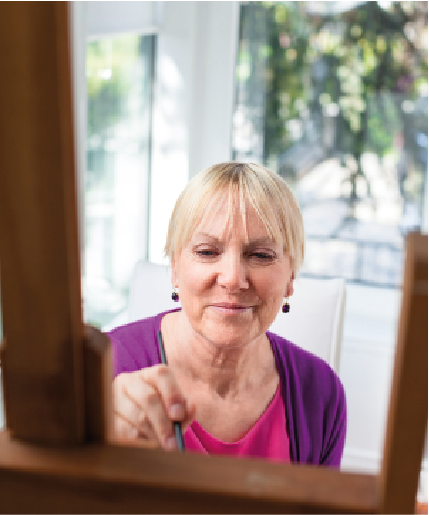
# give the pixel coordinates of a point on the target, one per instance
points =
(56, 455)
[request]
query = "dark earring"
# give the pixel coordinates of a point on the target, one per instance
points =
(286, 306)
(175, 295)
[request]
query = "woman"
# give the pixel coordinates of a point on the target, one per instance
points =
(236, 243)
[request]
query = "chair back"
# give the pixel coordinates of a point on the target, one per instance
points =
(315, 320)
(150, 291)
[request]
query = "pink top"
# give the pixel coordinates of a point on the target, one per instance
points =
(268, 438)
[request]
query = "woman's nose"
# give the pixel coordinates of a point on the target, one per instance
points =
(233, 273)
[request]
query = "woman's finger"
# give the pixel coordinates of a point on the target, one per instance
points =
(125, 432)
(151, 410)
(130, 418)
(133, 421)
(149, 401)
(162, 379)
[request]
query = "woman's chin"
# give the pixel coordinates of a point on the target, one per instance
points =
(229, 337)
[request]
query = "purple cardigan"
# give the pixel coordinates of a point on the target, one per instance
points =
(313, 396)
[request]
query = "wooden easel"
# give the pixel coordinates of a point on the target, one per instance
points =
(56, 455)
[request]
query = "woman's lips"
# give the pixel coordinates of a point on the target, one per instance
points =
(232, 309)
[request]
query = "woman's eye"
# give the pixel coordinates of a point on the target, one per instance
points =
(262, 256)
(206, 253)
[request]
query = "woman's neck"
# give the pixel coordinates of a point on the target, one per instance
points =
(223, 370)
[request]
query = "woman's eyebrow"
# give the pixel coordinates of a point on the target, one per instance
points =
(264, 240)
(206, 235)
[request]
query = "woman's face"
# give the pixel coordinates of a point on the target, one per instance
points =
(231, 289)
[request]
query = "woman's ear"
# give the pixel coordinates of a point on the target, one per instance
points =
(174, 274)
(289, 286)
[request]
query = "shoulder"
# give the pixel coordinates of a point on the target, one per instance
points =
(135, 328)
(134, 345)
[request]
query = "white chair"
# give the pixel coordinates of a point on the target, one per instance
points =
(150, 291)
(315, 320)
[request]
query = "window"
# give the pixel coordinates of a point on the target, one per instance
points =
(333, 96)
(120, 76)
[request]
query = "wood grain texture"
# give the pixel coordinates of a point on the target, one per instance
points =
(98, 377)
(408, 407)
(116, 479)
(40, 274)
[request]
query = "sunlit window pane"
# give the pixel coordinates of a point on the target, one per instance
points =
(333, 96)
(119, 83)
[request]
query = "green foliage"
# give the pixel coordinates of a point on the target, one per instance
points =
(383, 123)
(305, 61)
(106, 63)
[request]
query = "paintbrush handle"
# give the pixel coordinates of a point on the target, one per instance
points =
(177, 427)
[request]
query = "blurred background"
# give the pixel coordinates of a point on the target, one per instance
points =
(332, 96)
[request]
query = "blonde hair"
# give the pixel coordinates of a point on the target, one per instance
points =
(265, 191)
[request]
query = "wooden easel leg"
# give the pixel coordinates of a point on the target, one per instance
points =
(97, 358)
(408, 408)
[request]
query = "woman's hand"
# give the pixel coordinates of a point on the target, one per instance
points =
(146, 403)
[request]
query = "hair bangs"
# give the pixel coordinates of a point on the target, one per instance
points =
(227, 187)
